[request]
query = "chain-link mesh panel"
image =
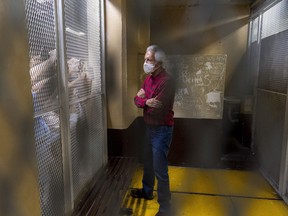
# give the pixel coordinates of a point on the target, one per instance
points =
(269, 123)
(40, 19)
(48, 150)
(87, 138)
(83, 50)
(82, 24)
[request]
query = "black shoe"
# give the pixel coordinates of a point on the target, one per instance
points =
(138, 193)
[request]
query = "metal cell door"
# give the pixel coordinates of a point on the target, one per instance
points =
(66, 69)
(270, 131)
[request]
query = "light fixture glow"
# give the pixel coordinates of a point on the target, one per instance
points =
(78, 33)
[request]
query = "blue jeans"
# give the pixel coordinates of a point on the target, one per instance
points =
(157, 144)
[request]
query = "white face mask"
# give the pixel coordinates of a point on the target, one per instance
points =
(148, 68)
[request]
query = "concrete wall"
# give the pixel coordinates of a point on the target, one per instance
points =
(206, 28)
(127, 35)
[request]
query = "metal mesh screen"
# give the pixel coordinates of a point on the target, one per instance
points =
(42, 43)
(275, 19)
(272, 87)
(40, 19)
(269, 123)
(273, 74)
(82, 24)
(83, 49)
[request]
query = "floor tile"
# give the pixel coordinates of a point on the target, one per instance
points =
(215, 181)
(212, 192)
(259, 207)
(183, 205)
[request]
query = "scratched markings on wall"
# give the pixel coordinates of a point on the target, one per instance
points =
(200, 85)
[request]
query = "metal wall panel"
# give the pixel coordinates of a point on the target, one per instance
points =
(254, 53)
(270, 111)
(270, 116)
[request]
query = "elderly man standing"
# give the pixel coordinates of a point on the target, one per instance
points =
(156, 97)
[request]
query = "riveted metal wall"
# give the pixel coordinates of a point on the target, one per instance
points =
(67, 157)
(270, 52)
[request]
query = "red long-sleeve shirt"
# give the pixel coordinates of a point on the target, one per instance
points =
(160, 86)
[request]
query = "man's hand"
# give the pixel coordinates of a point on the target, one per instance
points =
(152, 102)
(141, 93)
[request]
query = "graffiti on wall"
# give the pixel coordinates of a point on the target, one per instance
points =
(200, 85)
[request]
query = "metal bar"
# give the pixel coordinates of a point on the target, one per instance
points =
(103, 71)
(264, 5)
(272, 92)
(44, 111)
(283, 181)
(256, 83)
(64, 108)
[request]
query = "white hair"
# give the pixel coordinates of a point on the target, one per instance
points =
(158, 53)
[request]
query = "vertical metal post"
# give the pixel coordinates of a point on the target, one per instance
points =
(64, 108)
(283, 181)
(256, 81)
(103, 79)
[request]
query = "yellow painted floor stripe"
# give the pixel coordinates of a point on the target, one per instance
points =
(212, 192)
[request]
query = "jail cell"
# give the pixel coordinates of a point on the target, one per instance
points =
(65, 48)
(70, 70)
